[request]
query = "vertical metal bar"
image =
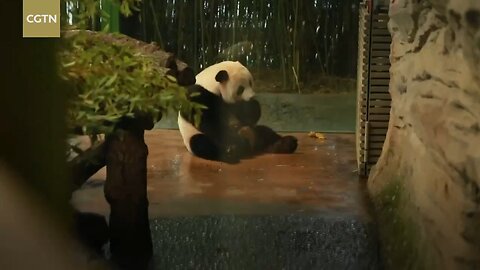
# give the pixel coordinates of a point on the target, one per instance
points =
(366, 140)
(360, 79)
(367, 92)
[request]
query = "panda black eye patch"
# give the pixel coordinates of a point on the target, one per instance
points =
(222, 76)
(240, 90)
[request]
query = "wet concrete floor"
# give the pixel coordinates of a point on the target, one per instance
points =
(321, 176)
(300, 211)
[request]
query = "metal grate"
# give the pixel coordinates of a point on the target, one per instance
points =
(373, 77)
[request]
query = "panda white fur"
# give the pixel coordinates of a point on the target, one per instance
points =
(228, 130)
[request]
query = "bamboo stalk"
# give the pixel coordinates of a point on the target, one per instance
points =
(234, 22)
(157, 26)
(202, 26)
(325, 43)
(144, 20)
(294, 49)
(290, 43)
(281, 25)
(213, 46)
(195, 38)
(180, 24)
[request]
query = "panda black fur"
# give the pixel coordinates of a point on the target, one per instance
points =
(228, 130)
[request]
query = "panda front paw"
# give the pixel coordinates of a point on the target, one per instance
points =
(248, 135)
(230, 155)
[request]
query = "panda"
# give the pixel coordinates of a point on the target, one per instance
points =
(228, 130)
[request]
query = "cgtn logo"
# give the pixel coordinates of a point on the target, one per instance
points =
(41, 18)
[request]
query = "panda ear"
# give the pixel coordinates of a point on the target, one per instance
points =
(222, 76)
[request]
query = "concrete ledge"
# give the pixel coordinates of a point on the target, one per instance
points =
(300, 112)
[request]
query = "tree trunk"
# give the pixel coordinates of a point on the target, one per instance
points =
(126, 192)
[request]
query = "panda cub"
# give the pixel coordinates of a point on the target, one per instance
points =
(228, 128)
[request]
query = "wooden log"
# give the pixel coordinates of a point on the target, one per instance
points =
(185, 75)
(83, 166)
(87, 164)
(126, 192)
(178, 69)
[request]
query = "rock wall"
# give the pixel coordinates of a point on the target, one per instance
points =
(426, 185)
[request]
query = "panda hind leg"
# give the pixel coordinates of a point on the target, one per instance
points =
(202, 146)
(267, 140)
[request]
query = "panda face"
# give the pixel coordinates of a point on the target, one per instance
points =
(228, 79)
(235, 85)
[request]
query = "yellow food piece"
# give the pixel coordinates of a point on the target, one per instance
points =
(317, 135)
